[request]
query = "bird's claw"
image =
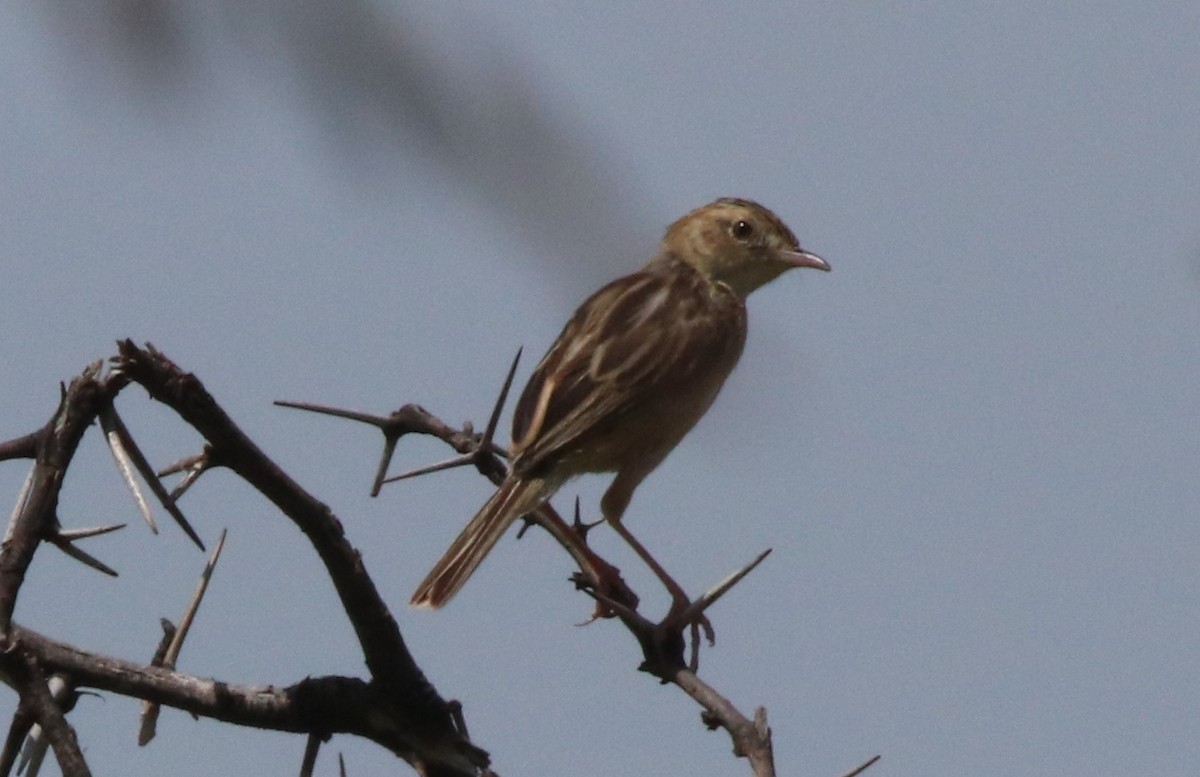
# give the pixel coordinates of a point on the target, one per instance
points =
(683, 615)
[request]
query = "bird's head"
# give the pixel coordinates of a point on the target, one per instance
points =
(737, 242)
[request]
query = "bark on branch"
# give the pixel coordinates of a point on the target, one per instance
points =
(396, 706)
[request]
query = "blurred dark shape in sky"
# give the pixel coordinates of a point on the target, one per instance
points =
(146, 38)
(378, 90)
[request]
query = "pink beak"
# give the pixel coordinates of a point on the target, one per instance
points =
(802, 258)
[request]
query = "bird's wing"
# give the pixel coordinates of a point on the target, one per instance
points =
(637, 339)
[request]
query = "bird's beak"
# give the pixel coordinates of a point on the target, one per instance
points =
(802, 258)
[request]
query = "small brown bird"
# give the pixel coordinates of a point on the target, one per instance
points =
(633, 370)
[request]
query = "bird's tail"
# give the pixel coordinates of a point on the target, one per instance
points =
(513, 499)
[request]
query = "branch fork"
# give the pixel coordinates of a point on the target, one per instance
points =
(397, 707)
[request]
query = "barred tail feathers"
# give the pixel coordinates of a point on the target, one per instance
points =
(513, 499)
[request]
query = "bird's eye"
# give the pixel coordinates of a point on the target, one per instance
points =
(742, 230)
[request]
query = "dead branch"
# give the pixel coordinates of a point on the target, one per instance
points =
(324, 705)
(662, 643)
(396, 707)
(29, 680)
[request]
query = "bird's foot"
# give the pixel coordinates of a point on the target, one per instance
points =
(684, 614)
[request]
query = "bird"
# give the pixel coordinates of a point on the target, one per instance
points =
(634, 369)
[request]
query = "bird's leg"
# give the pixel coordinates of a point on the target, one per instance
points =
(680, 603)
(679, 598)
(613, 505)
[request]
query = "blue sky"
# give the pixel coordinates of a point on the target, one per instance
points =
(974, 445)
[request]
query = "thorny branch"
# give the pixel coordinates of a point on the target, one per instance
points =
(396, 706)
(484, 456)
(662, 643)
(39, 704)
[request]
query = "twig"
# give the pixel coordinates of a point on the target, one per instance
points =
(30, 681)
(164, 642)
(751, 739)
(859, 770)
(192, 467)
(171, 654)
(325, 704)
(22, 723)
(483, 448)
(410, 419)
(34, 517)
(20, 448)
(36, 744)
